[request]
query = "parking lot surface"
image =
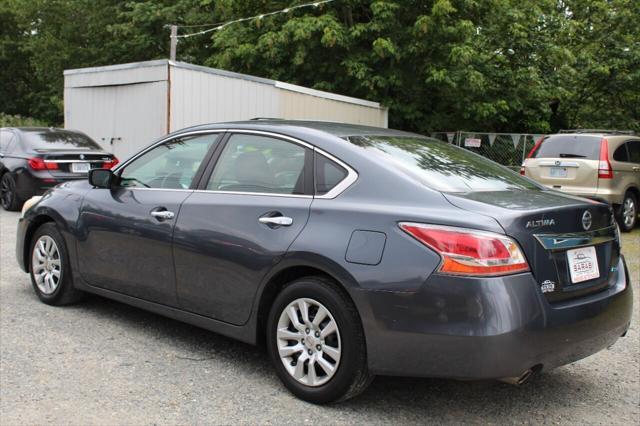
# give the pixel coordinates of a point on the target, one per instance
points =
(102, 362)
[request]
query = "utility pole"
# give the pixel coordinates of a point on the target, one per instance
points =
(174, 42)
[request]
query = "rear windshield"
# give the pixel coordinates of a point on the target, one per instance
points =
(442, 166)
(569, 146)
(55, 139)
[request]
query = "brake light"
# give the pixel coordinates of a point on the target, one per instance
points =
(535, 147)
(522, 171)
(110, 164)
(469, 252)
(605, 171)
(38, 163)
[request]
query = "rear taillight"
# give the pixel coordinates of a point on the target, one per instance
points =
(37, 163)
(110, 164)
(535, 147)
(604, 166)
(469, 252)
(522, 169)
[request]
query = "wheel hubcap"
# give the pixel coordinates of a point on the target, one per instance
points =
(46, 264)
(309, 342)
(628, 212)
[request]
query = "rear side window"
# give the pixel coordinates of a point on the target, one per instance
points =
(441, 166)
(260, 164)
(57, 139)
(634, 151)
(620, 154)
(569, 146)
(328, 174)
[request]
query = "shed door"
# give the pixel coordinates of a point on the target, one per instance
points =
(121, 118)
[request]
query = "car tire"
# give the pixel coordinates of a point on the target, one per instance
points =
(49, 267)
(8, 196)
(327, 302)
(628, 212)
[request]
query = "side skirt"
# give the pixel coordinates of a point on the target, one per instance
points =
(245, 333)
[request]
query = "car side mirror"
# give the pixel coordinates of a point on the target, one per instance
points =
(101, 178)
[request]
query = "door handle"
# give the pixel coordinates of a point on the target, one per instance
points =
(162, 214)
(276, 221)
(636, 169)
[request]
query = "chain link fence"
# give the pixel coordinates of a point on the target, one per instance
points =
(508, 149)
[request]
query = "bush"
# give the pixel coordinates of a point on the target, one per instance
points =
(7, 120)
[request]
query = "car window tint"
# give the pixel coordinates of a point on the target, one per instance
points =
(327, 174)
(171, 165)
(442, 166)
(620, 154)
(569, 146)
(47, 139)
(634, 151)
(251, 163)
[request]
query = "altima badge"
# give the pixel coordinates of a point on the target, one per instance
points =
(540, 222)
(586, 220)
(548, 286)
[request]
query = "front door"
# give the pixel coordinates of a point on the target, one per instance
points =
(232, 232)
(125, 233)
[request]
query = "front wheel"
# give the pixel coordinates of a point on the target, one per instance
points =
(50, 270)
(316, 343)
(628, 212)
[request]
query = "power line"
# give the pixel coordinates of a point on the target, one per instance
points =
(220, 25)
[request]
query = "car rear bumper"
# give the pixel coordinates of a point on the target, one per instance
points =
(29, 184)
(604, 195)
(488, 328)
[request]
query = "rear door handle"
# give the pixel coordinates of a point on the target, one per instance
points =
(162, 214)
(276, 220)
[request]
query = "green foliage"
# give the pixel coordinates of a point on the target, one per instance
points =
(490, 65)
(7, 120)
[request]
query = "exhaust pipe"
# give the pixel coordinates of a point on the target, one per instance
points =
(518, 380)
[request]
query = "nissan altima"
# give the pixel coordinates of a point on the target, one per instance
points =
(348, 251)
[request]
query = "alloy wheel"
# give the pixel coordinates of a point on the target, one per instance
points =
(6, 192)
(628, 212)
(308, 341)
(46, 264)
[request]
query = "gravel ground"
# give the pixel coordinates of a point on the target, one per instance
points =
(101, 362)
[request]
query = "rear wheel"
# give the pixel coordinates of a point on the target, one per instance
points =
(628, 212)
(49, 268)
(316, 343)
(8, 196)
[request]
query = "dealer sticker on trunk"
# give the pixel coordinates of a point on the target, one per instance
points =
(583, 264)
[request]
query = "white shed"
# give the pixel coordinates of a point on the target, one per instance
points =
(125, 107)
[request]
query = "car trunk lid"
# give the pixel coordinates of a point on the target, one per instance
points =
(68, 164)
(555, 231)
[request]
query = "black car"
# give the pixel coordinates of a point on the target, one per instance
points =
(34, 159)
(349, 251)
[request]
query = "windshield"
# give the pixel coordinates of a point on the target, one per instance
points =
(57, 139)
(442, 166)
(569, 146)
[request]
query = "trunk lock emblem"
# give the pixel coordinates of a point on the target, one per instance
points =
(586, 220)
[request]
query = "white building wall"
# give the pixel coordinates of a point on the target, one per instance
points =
(199, 97)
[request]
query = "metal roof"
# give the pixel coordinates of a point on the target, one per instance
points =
(215, 71)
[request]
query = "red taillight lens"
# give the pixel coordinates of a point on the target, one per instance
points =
(604, 166)
(469, 252)
(535, 147)
(522, 170)
(37, 163)
(110, 164)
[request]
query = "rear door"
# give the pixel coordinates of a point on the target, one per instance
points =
(626, 166)
(567, 163)
(248, 210)
(125, 233)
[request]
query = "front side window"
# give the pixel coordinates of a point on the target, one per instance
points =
(442, 166)
(262, 164)
(171, 165)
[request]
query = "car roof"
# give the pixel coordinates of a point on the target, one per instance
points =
(334, 128)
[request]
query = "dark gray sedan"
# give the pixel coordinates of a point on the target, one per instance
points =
(348, 251)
